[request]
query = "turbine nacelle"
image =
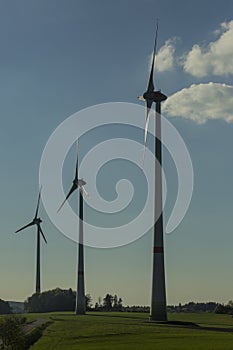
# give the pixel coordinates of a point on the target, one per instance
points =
(79, 182)
(37, 221)
(154, 96)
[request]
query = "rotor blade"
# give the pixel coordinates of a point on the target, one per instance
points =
(40, 230)
(151, 83)
(73, 188)
(22, 228)
(76, 169)
(148, 107)
(38, 203)
(82, 188)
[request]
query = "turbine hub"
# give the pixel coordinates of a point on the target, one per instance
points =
(75, 182)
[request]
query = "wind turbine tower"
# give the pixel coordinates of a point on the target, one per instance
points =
(80, 307)
(158, 310)
(158, 302)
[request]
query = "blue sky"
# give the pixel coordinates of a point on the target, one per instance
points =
(58, 57)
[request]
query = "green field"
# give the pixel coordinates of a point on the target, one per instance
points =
(134, 331)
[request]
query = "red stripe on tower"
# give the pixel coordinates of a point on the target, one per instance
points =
(158, 250)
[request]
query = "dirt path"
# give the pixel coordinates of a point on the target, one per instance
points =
(30, 326)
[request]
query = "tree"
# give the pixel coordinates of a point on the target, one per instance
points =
(11, 332)
(88, 301)
(119, 304)
(115, 302)
(107, 302)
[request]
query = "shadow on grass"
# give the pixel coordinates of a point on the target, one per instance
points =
(192, 325)
(128, 316)
(144, 319)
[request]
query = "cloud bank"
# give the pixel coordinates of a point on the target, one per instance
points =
(202, 102)
(214, 59)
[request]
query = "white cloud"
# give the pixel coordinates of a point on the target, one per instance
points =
(165, 57)
(216, 58)
(201, 102)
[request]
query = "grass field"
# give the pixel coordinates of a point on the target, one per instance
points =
(133, 331)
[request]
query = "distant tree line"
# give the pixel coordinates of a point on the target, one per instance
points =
(224, 309)
(4, 307)
(136, 308)
(64, 300)
(203, 307)
(54, 300)
(110, 303)
(193, 307)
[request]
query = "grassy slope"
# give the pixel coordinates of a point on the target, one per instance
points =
(132, 331)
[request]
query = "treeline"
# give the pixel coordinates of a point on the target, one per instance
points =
(193, 307)
(113, 303)
(225, 309)
(64, 300)
(203, 307)
(54, 300)
(136, 308)
(5, 307)
(110, 303)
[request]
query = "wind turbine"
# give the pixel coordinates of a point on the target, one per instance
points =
(80, 308)
(36, 221)
(158, 301)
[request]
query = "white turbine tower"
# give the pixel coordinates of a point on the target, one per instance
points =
(80, 308)
(158, 301)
